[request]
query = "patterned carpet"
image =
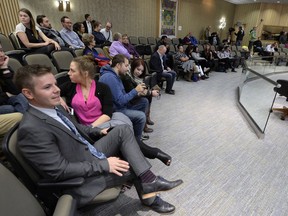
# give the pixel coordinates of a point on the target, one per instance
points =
(226, 169)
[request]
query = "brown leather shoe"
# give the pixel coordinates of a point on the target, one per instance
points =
(148, 130)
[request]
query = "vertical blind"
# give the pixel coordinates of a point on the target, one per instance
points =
(8, 15)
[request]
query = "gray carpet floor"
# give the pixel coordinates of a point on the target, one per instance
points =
(226, 169)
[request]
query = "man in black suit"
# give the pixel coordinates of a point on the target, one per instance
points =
(51, 33)
(59, 148)
(158, 64)
(87, 24)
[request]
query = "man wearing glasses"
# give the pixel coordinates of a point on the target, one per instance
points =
(69, 35)
(107, 32)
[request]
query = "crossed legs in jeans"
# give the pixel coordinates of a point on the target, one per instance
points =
(170, 78)
(136, 113)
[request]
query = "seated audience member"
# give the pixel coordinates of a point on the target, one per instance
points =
(12, 102)
(60, 148)
(31, 36)
(158, 64)
(168, 58)
(11, 99)
(182, 59)
(89, 42)
(117, 47)
(87, 23)
(130, 48)
(110, 75)
(198, 71)
(107, 32)
(7, 121)
(99, 37)
(190, 39)
(91, 100)
(186, 40)
(214, 39)
(269, 51)
(78, 27)
(68, 35)
(201, 61)
(226, 58)
(209, 55)
(51, 33)
(258, 47)
(93, 103)
(135, 77)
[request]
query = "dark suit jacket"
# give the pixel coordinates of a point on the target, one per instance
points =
(86, 27)
(155, 63)
(56, 153)
(49, 34)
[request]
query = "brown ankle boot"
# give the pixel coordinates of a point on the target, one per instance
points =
(147, 130)
(149, 121)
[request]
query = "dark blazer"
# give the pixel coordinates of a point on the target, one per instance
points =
(56, 153)
(155, 63)
(86, 27)
(50, 33)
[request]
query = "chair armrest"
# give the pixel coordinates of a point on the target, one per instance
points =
(66, 206)
(15, 52)
(47, 183)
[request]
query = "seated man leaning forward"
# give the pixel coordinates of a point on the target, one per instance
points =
(59, 148)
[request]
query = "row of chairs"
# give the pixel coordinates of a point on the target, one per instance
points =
(60, 61)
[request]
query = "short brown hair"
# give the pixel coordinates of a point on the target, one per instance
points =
(23, 78)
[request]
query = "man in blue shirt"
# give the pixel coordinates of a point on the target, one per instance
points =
(69, 35)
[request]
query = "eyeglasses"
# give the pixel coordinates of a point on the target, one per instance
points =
(108, 27)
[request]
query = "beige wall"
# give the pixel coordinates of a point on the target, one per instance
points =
(196, 15)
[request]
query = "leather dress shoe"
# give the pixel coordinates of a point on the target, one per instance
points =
(170, 92)
(149, 121)
(148, 130)
(159, 184)
(165, 158)
(161, 206)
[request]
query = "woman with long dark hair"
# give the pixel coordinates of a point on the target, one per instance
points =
(30, 36)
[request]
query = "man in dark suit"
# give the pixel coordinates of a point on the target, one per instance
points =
(59, 148)
(51, 33)
(158, 64)
(87, 24)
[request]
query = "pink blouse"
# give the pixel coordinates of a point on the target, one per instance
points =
(87, 111)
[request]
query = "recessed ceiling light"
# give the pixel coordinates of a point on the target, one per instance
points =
(278, 2)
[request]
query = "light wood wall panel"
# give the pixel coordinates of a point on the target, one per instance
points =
(251, 14)
(8, 15)
(138, 17)
(134, 17)
(248, 14)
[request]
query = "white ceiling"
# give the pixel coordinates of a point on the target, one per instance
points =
(257, 1)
